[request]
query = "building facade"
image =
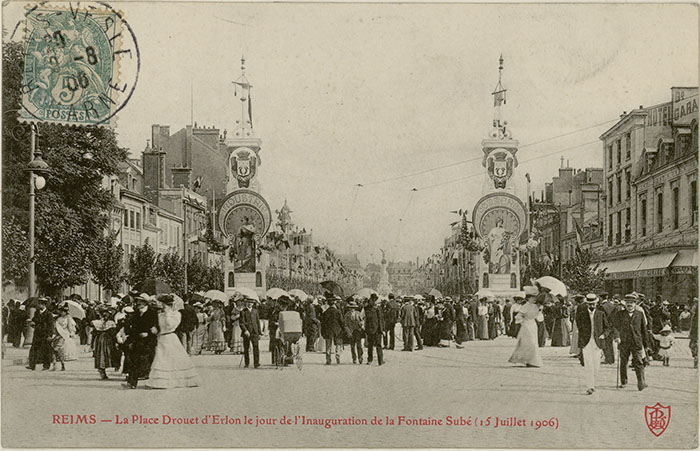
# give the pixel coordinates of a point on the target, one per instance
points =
(651, 225)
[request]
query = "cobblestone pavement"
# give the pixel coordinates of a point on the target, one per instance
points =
(435, 383)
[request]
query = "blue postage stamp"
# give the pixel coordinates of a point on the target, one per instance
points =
(71, 66)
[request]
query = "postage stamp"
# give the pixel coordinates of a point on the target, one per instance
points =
(72, 64)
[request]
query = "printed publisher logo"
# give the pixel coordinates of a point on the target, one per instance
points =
(657, 418)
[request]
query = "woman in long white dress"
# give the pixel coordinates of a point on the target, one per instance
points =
(171, 366)
(527, 351)
(66, 329)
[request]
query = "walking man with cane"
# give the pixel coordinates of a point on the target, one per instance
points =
(631, 337)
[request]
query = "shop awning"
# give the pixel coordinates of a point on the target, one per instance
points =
(621, 269)
(686, 262)
(655, 265)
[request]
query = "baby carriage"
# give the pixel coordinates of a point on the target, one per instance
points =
(288, 335)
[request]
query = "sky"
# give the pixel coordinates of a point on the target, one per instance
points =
(347, 94)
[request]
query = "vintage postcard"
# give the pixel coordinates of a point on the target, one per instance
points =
(364, 225)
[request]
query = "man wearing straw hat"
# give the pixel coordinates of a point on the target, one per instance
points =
(593, 327)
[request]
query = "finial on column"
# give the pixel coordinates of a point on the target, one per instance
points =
(243, 63)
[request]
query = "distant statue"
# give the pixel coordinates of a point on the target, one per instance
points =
(499, 249)
(384, 286)
(243, 248)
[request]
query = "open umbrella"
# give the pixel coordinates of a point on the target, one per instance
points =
(435, 293)
(419, 297)
(555, 286)
(154, 286)
(333, 287)
(74, 309)
(365, 293)
(248, 293)
(216, 295)
(276, 293)
(298, 293)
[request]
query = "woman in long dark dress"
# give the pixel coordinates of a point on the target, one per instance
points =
(560, 328)
(429, 330)
(447, 318)
(104, 335)
(494, 319)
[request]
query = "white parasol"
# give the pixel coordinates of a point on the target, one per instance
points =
(555, 286)
(216, 295)
(75, 310)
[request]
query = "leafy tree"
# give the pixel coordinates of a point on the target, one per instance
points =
(582, 274)
(106, 266)
(171, 269)
(15, 252)
(143, 264)
(197, 276)
(215, 278)
(73, 210)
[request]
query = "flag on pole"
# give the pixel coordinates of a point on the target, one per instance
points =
(499, 97)
(250, 109)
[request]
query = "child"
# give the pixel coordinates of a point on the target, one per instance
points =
(665, 342)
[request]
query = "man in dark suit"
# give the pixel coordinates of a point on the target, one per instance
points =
(507, 317)
(390, 311)
(142, 337)
(630, 334)
(374, 326)
(609, 309)
(41, 350)
(332, 329)
(593, 328)
(250, 331)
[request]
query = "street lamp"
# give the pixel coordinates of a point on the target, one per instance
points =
(36, 168)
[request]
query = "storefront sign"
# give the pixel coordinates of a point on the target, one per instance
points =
(685, 105)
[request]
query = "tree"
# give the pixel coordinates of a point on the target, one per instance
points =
(15, 252)
(171, 268)
(197, 276)
(143, 264)
(106, 266)
(73, 210)
(582, 274)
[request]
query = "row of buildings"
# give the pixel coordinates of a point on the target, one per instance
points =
(637, 214)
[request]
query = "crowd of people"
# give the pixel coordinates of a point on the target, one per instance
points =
(148, 337)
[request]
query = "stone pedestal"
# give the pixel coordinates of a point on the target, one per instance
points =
(254, 280)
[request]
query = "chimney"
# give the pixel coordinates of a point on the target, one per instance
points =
(153, 173)
(181, 177)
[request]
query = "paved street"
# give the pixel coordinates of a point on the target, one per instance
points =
(434, 383)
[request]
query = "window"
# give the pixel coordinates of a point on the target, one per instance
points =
(618, 235)
(628, 225)
(619, 188)
(628, 146)
(138, 220)
(126, 218)
(693, 202)
(628, 183)
(132, 219)
(610, 156)
(610, 193)
(659, 212)
(618, 148)
(675, 207)
(643, 216)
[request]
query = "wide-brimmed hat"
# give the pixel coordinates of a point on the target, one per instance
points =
(666, 328)
(166, 299)
(591, 298)
(351, 304)
(529, 290)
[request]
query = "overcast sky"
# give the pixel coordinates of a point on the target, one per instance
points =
(346, 94)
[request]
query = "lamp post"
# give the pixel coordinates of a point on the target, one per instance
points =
(36, 167)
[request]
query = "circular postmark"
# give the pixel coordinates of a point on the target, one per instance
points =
(81, 64)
